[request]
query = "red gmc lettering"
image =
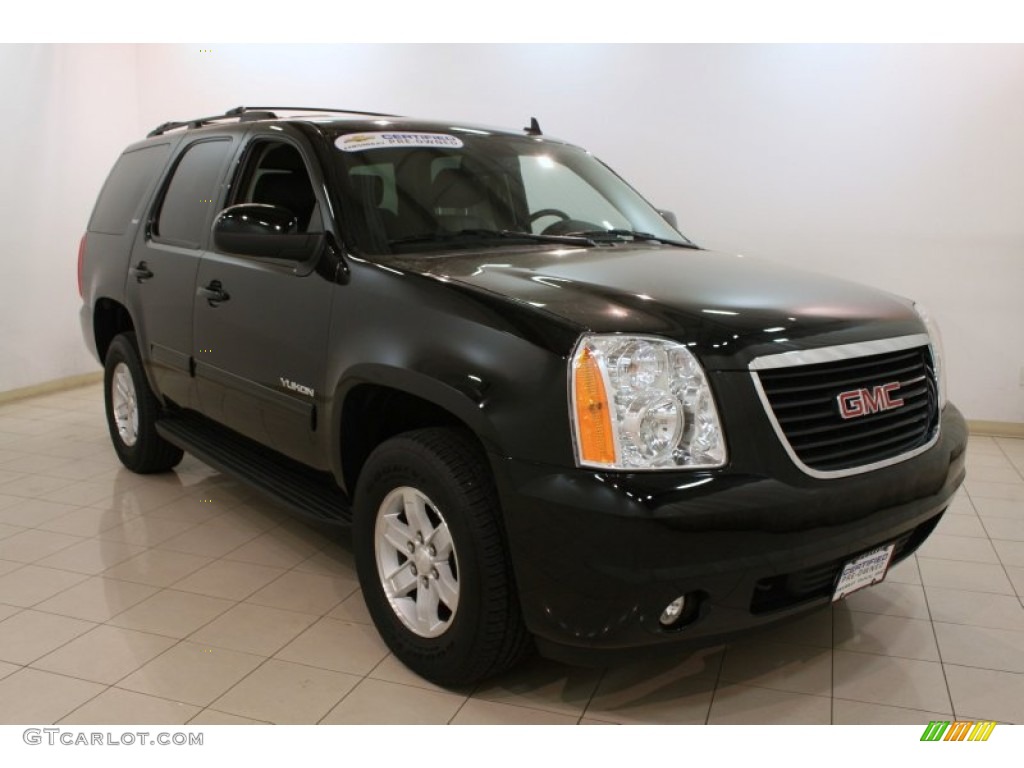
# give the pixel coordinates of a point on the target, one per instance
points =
(863, 402)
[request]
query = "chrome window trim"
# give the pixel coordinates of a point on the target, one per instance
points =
(829, 355)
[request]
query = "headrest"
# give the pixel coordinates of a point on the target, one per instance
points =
(369, 189)
(453, 188)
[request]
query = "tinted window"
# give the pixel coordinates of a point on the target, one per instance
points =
(274, 174)
(404, 195)
(549, 184)
(386, 173)
(192, 193)
(126, 189)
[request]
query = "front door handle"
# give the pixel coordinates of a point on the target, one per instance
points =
(141, 271)
(214, 293)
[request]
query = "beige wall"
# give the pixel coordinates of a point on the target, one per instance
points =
(68, 111)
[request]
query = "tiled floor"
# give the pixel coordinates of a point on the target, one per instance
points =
(182, 598)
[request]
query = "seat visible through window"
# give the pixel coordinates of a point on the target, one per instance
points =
(281, 179)
(459, 202)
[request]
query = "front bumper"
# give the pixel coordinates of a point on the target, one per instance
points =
(599, 555)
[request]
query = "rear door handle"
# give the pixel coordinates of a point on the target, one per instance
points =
(141, 271)
(214, 293)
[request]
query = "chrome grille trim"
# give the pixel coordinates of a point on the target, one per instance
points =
(841, 352)
(800, 358)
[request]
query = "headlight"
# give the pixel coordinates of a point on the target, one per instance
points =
(938, 353)
(642, 403)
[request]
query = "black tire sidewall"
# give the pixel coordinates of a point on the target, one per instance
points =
(398, 464)
(143, 456)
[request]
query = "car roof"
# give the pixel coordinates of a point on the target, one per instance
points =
(350, 120)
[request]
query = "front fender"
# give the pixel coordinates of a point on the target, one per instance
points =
(455, 350)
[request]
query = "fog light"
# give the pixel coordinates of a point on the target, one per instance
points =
(673, 611)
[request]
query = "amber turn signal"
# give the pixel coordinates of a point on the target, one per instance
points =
(593, 417)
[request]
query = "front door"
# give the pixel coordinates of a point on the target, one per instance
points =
(260, 325)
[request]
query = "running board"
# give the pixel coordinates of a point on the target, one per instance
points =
(304, 491)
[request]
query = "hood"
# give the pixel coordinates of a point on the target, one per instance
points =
(730, 308)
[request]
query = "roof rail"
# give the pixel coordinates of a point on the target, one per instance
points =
(252, 113)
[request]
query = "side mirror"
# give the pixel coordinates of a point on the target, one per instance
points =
(264, 231)
(670, 218)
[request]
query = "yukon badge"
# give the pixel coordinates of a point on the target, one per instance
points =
(863, 402)
(300, 388)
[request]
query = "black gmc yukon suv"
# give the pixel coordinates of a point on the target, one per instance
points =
(548, 418)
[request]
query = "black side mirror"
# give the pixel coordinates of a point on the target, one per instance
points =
(670, 218)
(264, 231)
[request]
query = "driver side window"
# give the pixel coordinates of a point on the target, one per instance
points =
(274, 174)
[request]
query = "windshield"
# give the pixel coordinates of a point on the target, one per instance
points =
(410, 192)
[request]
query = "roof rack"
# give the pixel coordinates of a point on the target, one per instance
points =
(246, 114)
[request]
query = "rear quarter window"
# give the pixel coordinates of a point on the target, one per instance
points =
(134, 175)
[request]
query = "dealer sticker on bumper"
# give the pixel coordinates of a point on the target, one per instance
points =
(863, 571)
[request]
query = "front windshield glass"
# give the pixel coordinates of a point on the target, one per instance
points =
(411, 192)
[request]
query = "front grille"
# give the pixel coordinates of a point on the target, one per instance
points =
(789, 589)
(804, 402)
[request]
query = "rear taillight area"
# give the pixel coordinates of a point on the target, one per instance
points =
(81, 253)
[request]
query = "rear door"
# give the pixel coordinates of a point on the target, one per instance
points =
(165, 259)
(260, 351)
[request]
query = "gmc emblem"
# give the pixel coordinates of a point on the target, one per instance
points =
(863, 402)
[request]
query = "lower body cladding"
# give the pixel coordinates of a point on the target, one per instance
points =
(602, 559)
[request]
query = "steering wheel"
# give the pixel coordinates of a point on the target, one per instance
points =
(548, 212)
(569, 226)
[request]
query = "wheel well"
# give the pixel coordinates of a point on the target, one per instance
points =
(373, 414)
(108, 320)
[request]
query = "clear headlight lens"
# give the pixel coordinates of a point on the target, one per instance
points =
(938, 353)
(640, 402)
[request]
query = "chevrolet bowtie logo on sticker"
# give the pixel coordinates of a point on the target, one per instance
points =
(961, 730)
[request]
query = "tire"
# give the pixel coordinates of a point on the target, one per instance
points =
(132, 411)
(460, 622)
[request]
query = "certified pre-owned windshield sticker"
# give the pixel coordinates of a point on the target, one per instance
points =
(358, 142)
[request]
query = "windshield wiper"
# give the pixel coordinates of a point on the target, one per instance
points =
(605, 234)
(485, 234)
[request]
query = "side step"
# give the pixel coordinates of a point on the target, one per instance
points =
(302, 490)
